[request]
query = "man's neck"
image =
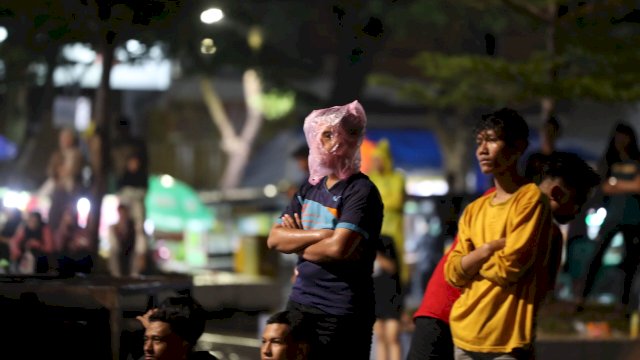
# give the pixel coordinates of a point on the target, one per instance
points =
(507, 183)
(332, 179)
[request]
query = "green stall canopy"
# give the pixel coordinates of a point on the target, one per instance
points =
(174, 206)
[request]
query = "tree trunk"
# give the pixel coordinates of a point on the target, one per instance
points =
(237, 147)
(38, 139)
(100, 141)
(548, 103)
(454, 145)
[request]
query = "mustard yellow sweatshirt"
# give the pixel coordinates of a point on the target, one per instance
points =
(497, 309)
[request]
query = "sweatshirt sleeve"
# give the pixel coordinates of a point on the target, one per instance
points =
(453, 272)
(528, 235)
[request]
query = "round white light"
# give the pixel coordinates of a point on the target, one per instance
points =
(3, 33)
(83, 206)
(270, 191)
(134, 46)
(211, 16)
(167, 181)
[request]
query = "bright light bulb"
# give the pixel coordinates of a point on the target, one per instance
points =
(211, 16)
(3, 33)
(167, 181)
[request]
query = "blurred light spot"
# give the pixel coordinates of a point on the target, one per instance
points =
(164, 253)
(15, 199)
(135, 47)
(79, 53)
(149, 227)
(270, 191)
(167, 181)
(596, 218)
(83, 206)
(254, 38)
(207, 46)
(211, 16)
(3, 33)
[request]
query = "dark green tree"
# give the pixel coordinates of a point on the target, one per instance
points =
(574, 51)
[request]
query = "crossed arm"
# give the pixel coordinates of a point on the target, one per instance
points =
(316, 245)
(473, 261)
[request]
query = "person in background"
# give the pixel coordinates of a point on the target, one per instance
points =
(173, 329)
(621, 188)
(333, 224)
(549, 134)
(32, 245)
(122, 239)
(131, 190)
(301, 156)
(386, 284)
(125, 146)
(72, 246)
(285, 337)
(11, 222)
(64, 176)
(391, 183)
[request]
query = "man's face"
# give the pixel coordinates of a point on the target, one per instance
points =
(160, 343)
(328, 139)
(275, 343)
(492, 153)
(65, 139)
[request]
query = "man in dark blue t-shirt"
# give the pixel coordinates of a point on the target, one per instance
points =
(333, 224)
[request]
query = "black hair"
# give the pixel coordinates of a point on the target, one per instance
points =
(552, 122)
(508, 125)
(612, 154)
(37, 215)
(574, 172)
(301, 152)
(298, 329)
(185, 316)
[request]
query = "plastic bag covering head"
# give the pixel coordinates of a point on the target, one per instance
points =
(334, 136)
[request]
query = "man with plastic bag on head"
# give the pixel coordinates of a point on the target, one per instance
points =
(333, 223)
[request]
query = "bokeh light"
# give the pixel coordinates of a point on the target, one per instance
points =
(211, 16)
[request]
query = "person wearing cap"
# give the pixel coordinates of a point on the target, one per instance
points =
(301, 156)
(333, 223)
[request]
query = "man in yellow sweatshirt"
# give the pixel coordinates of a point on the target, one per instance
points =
(495, 314)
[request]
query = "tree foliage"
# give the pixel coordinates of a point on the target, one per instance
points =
(593, 57)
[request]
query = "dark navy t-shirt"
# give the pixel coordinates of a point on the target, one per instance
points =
(339, 287)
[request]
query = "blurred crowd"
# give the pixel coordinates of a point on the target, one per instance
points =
(56, 238)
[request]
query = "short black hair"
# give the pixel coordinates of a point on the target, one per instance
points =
(301, 152)
(574, 172)
(185, 316)
(554, 124)
(508, 125)
(298, 329)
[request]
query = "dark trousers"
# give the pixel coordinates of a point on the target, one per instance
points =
(629, 264)
(337, 336)
(431, 340)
